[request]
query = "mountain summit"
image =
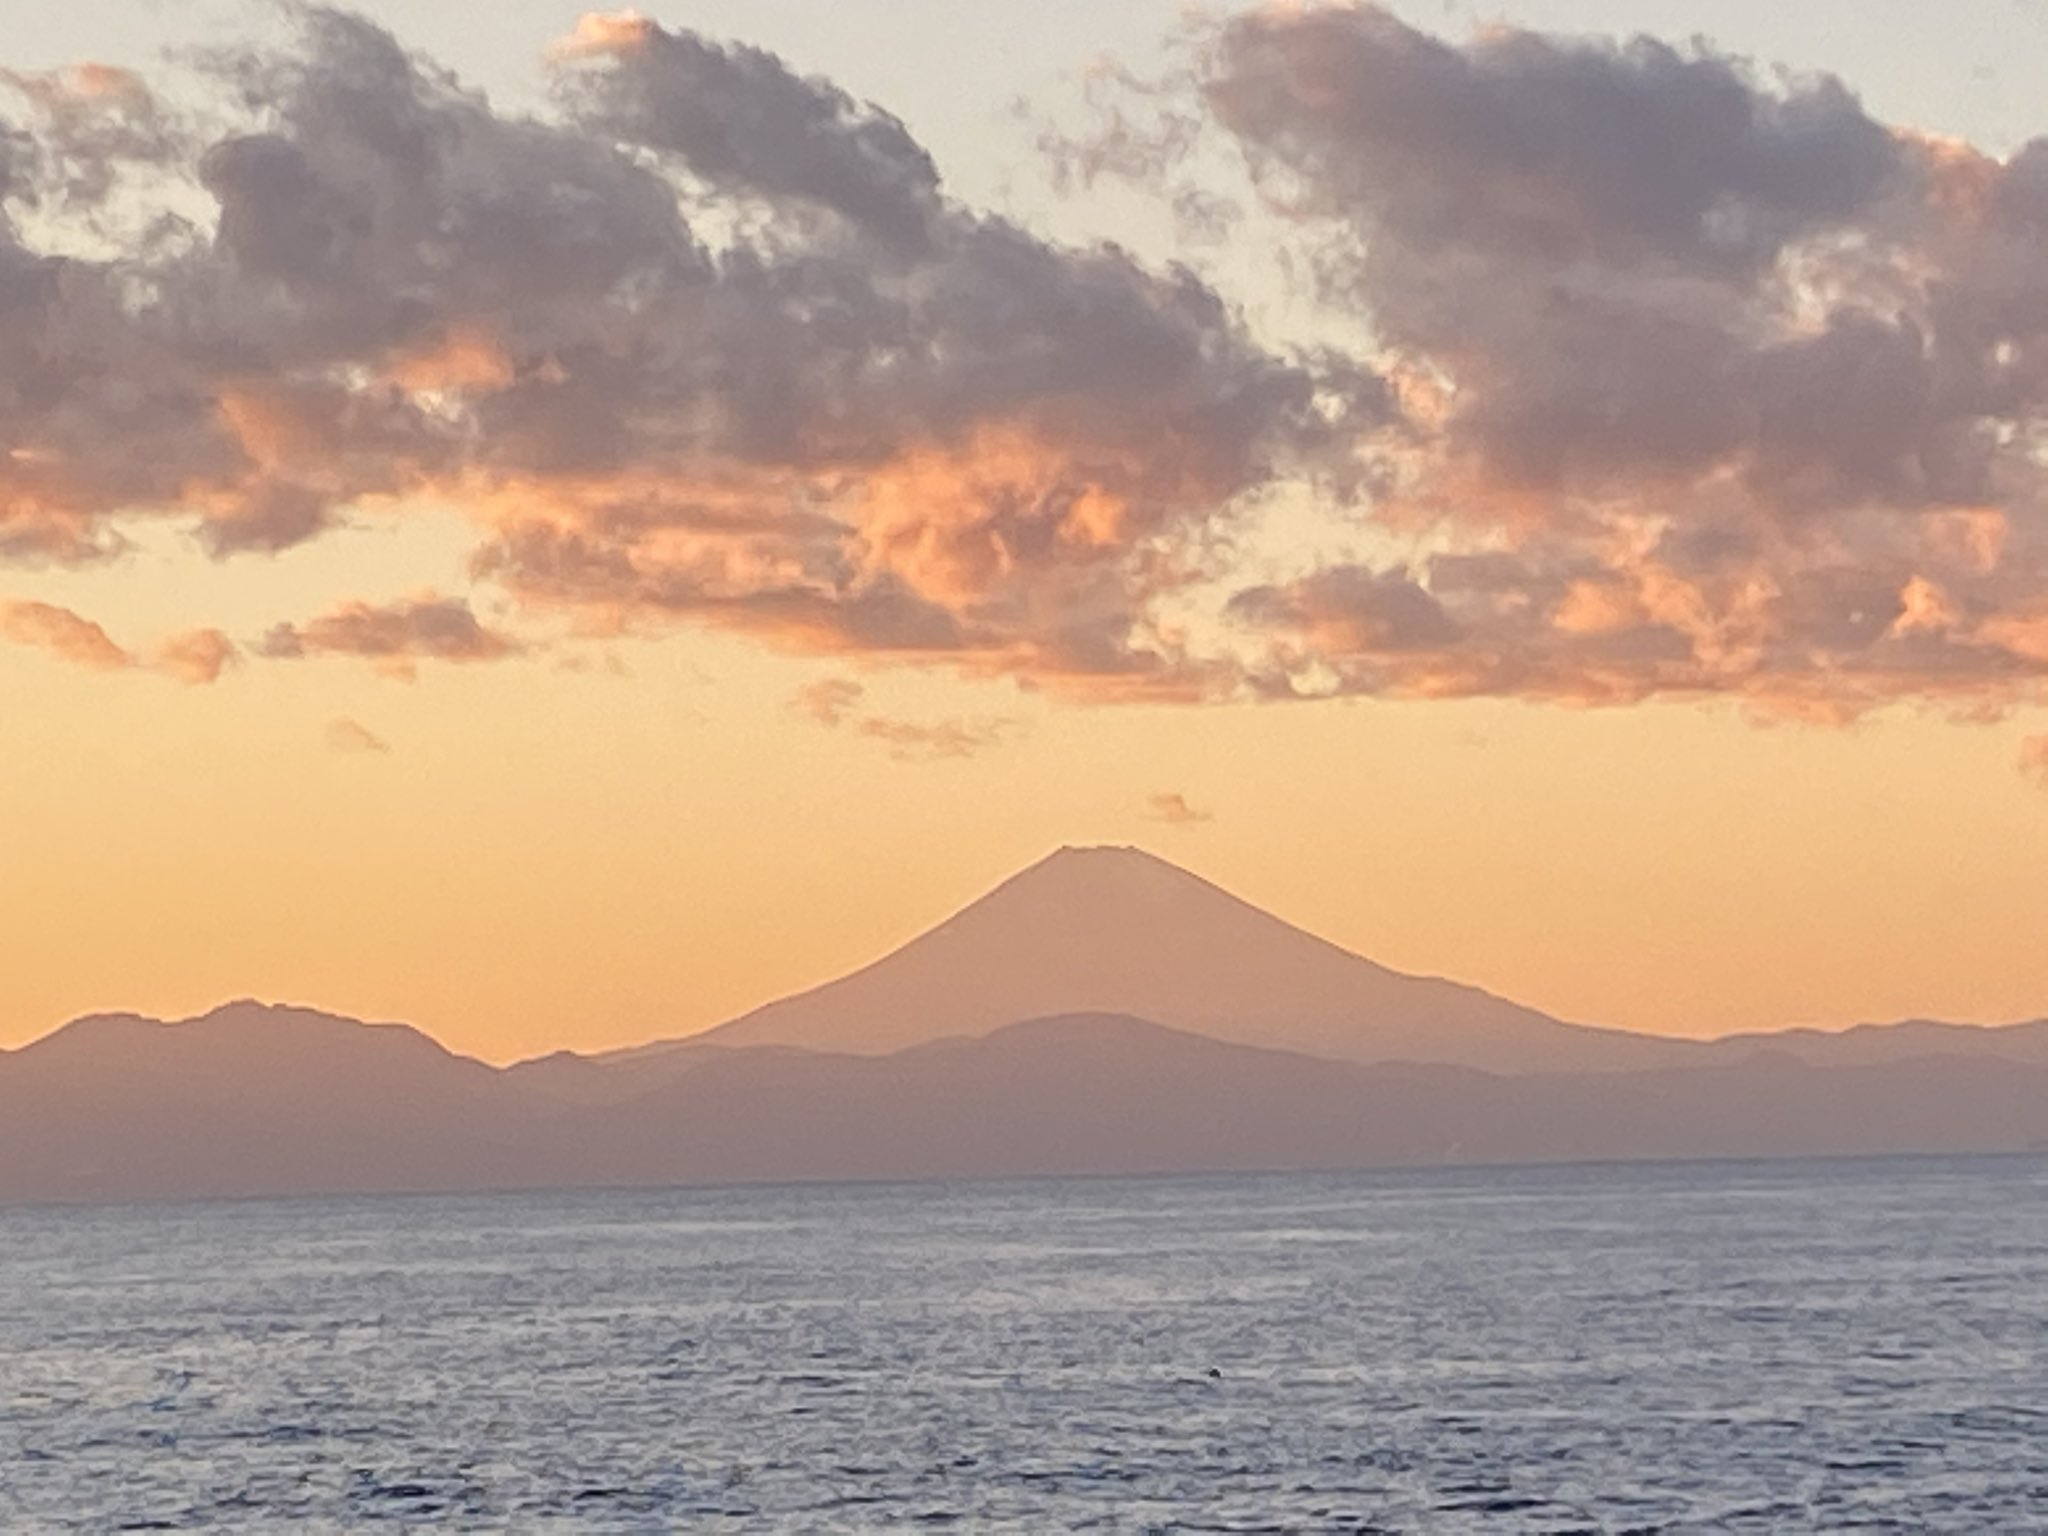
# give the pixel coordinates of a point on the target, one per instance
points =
(1121, 931)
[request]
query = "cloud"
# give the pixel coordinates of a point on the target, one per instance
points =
(708, 343)
(393, 636)
(1173, 809)
(834, 702)
(91, 120)
(63, 634)
(197, 656)
(933, 741)
(353, 738)
(2034, 760)
(829, 700)
(1710, 382)
(740, 120)
(1682, 380)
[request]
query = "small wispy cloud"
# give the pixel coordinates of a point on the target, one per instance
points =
(354, 738)
(917, 741)
(198, 656)
(834, 702)
(2034, 760)
(1173, 809)
(828, 701)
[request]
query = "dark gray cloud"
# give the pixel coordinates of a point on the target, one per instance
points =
(1586, 240)
(1713, 383)
(743, 123)
(1628, 155)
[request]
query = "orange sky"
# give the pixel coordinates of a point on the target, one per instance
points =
(547, 858)
(559, 672)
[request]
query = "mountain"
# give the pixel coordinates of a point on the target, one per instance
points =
(252, 1101)
(246, 1099)
(1908, 1040)
(1116, 930)
(1108, 1094)
(1101, 1012)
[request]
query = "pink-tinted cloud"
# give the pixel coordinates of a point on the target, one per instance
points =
(395, 637)
(63, 634)
(197, 656)
(1172, 808)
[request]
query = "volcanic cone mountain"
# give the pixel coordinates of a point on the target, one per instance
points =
(1119, 931)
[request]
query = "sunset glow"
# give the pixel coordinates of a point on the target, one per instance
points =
(563, 544)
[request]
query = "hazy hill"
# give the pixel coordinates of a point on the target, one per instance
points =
(253, 1101)
(1107, 1094)
(1115, 930)
(246, 1099)
(1875, 1044)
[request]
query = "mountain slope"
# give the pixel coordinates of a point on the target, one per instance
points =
(1115, 930)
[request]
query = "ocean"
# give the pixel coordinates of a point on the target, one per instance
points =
(1770, 1348)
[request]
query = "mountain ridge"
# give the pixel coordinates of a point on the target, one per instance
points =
(1102, 1011)
(1087, 1093)
(1911, 1039)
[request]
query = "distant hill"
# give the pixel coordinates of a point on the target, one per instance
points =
(1116, 930)
(246, 1099)
(252, 1100)
(1107, 1094)
(1909, 1040)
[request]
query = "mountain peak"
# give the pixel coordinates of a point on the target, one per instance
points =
(1075, 855)
(1100, 861)
(1106, 907)
(254, 1011)
(1114, 929)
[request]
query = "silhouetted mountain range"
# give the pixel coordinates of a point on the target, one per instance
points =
(1101, 1012)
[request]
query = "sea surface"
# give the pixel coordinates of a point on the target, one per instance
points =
(1772, 1348)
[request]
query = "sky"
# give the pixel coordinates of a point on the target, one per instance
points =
(563, 552)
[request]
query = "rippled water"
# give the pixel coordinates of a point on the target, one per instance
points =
(1789, 1348)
